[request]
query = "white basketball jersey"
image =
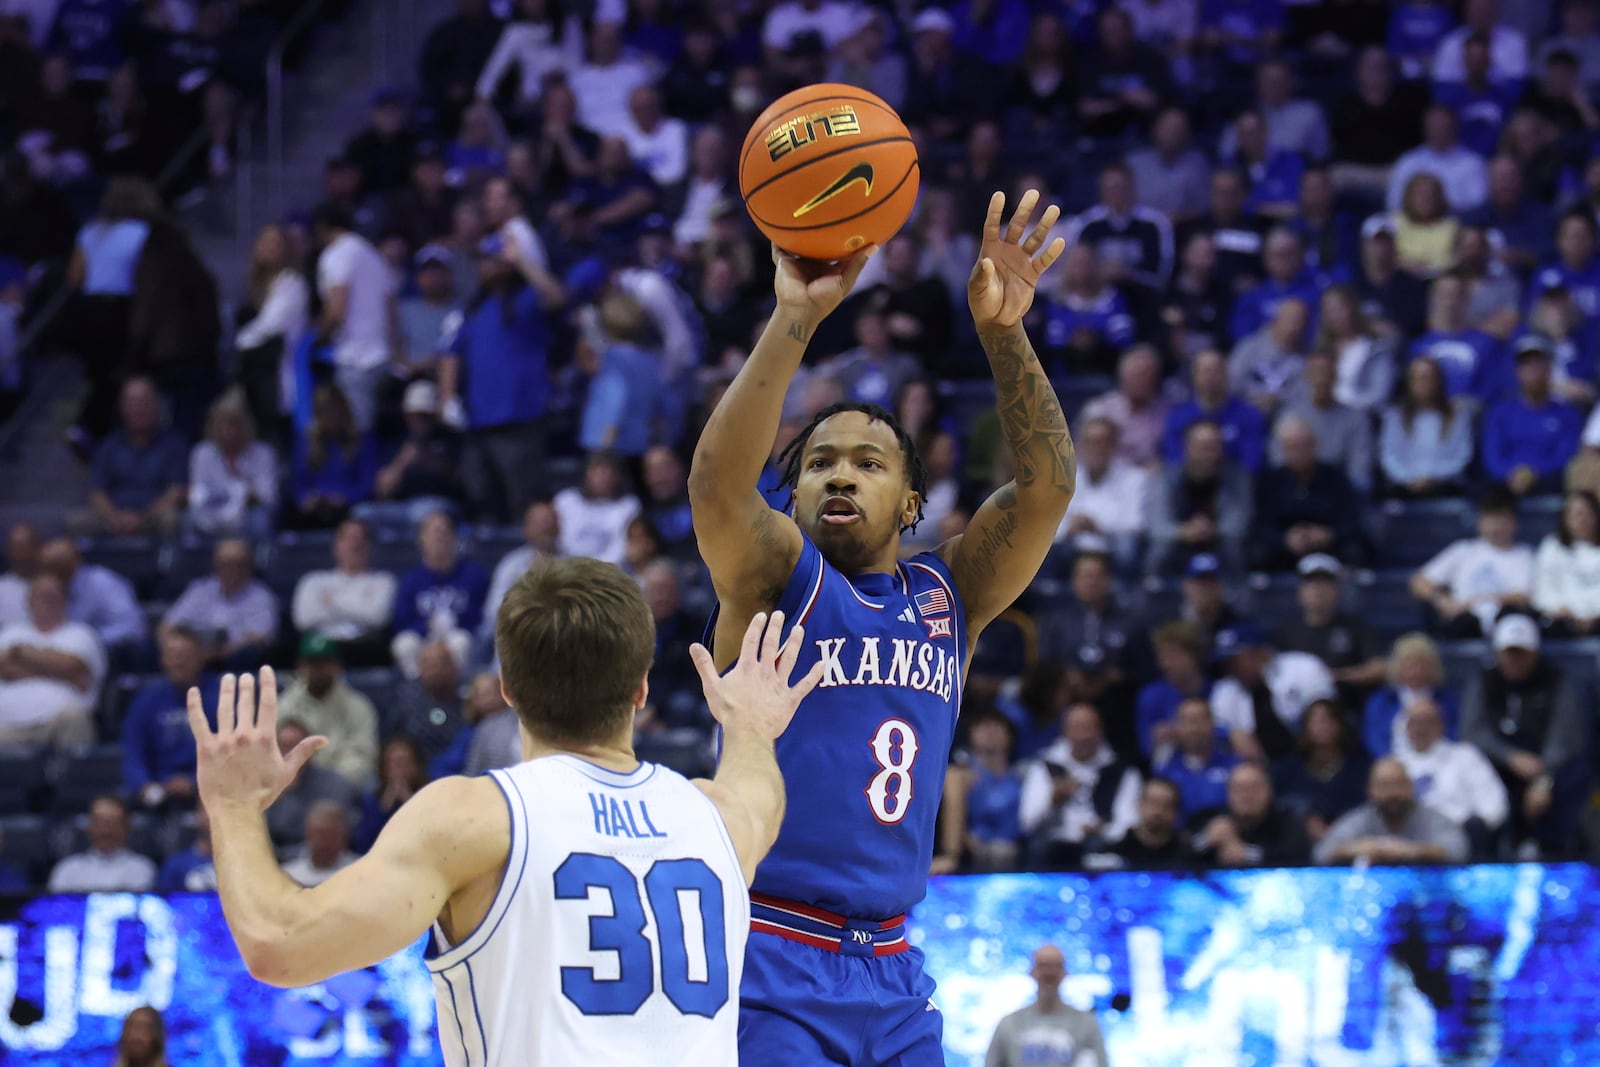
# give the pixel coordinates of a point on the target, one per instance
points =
(617, 936)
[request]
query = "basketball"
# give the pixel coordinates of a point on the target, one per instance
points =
(827, 170)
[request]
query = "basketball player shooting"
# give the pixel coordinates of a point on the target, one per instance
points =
(585, 907)
(829, 977)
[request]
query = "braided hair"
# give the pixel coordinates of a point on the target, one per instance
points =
(917, 474)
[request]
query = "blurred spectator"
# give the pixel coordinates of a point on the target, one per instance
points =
(286, 819)
(233, 478)
(50, 673)
(1287, 278)
(1576, 264)
(1340, 639)
(138, 472)
(1252, 830)
(1579, 35)
(1293, 124)
(401, 772)
(1272, 174)
(1525, 226)
(1092, 618)
(942, 96)
(1508, 49)
(1426, 440)
(1532, 140)
(1048, 1028)
(1267, 367)
(1304, 506)
(1086, 320)
(1262, 693)
(1424, 230)
(1481, 102)
(1573, 338)
(657, 142)
(697, 82)
(143, 1041)
(440, 598)
(327, 845)
(1242, 429)
(986, 789)
(1327, 774)
(1195, 307)
(674, 688)
(666, 499)
(1200, 760)
(96, 596)
(594, 517)
(497, 740)
(1453, 778)
(1326, 231)
(1468, 357)
(624, 382)
(1524, 712)
(107, 866)
(915, 308)
(454, 53)
(1180, 649)
(541, 532)
(538, 41)
(278, 299)
(1416, 674)
(1494, 300)
(1171, 174)
(158, 753)
(605, 82)
(1373, 124)
(193, 869)
(709, 184)
(874, 371)
(24, 563)
(1121, 83)
(358, 310)
(1113, 495)
(482, 701)
(427, 709)
(1135, 408)
(994, 33)
(1459, 169)
(1240, 35)
(234, 613)
(174, 326)
(504, 210)
(1469, 582)
(1395, 301)
(1044, 86)
(424, 210)
(496, 372)
(1077, 794)
(1156, 841)
(1203, 505)
(322, 701)
(335, 463)
(38, 222)
(1415, 29)
(1392, 827)
(1528, 440)
(352, 603)
(428, 316)
(384, 151)
(1566, 574)
(1133, 244)
(1343, 433)
(424, 474)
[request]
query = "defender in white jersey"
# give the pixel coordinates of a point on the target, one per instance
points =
(584, 907)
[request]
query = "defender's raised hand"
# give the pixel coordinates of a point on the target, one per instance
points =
(240, 765)
(1000, 290)
(756, 693)
(812, 290)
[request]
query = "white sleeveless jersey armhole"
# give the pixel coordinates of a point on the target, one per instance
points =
(640, 863)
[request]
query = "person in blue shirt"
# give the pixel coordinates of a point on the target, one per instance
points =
(1244, 430)
(334, 466)
(1288, 278)
(1086, 325)
(192, 870)
(993, 33)
(1480, 103)
(495, 383)
(1330, 238)
(91, 33)
(1524, 225)
(140, 473)
(1415, 29)
(400, 774)
(1180, 658)
(1469, 358)
(1574, 343)
(439, 599)
(1528, 441)
(1415, 673)
(607, 209)
(1576, 266)
(1273, 174)
(1200, 761)
(984, 784)
(624, 382)
(158, 755)
(1242, 32)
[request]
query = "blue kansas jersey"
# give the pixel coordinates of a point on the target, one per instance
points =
(865, 756)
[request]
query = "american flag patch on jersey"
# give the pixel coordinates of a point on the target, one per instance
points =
(932, 602)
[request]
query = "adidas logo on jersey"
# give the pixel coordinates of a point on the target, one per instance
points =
(908, 615)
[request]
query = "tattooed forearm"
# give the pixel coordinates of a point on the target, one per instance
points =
(799, 331)
(1030, 414)
(995, 538)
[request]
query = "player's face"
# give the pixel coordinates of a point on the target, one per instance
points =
(852, 496)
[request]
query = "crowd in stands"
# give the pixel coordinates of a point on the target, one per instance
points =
(1327, 334)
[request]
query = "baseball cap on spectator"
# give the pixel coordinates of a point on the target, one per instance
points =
(1516, 631)
(316, 646)
(1204, 565)
(1380, 225)
(586, 278)
(433, 255)
(422, 398)
(1235, 639)
(933, 20)
(1320, 565)
(1534, 344)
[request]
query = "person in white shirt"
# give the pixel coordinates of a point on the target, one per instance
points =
(1508, 48)
(358, 310)
(657, 142)
(1463, 173)
(1566, 569)
(23, 555)
(503, 211)
(1113, 496)
(282, 302)
(327, 848)
(708, 186)
(352, 602)
(541, 529)
(1469, 582)
(594, 517)
(534, 45)
(107, 866)
(828, 19)
(1259, 679)
(50, 672)
(1453, 777)
(605, 83)
(233, 478)
(1076, 792)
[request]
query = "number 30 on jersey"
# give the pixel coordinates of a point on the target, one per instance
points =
(894, 746)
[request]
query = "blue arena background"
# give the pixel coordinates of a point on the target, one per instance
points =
(1470, 965)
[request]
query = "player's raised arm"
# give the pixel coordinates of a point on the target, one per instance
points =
(754, 703)
(750, 548)
(1001, 552)
(451, 833)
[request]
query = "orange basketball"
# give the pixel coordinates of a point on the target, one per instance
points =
(828, 169)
